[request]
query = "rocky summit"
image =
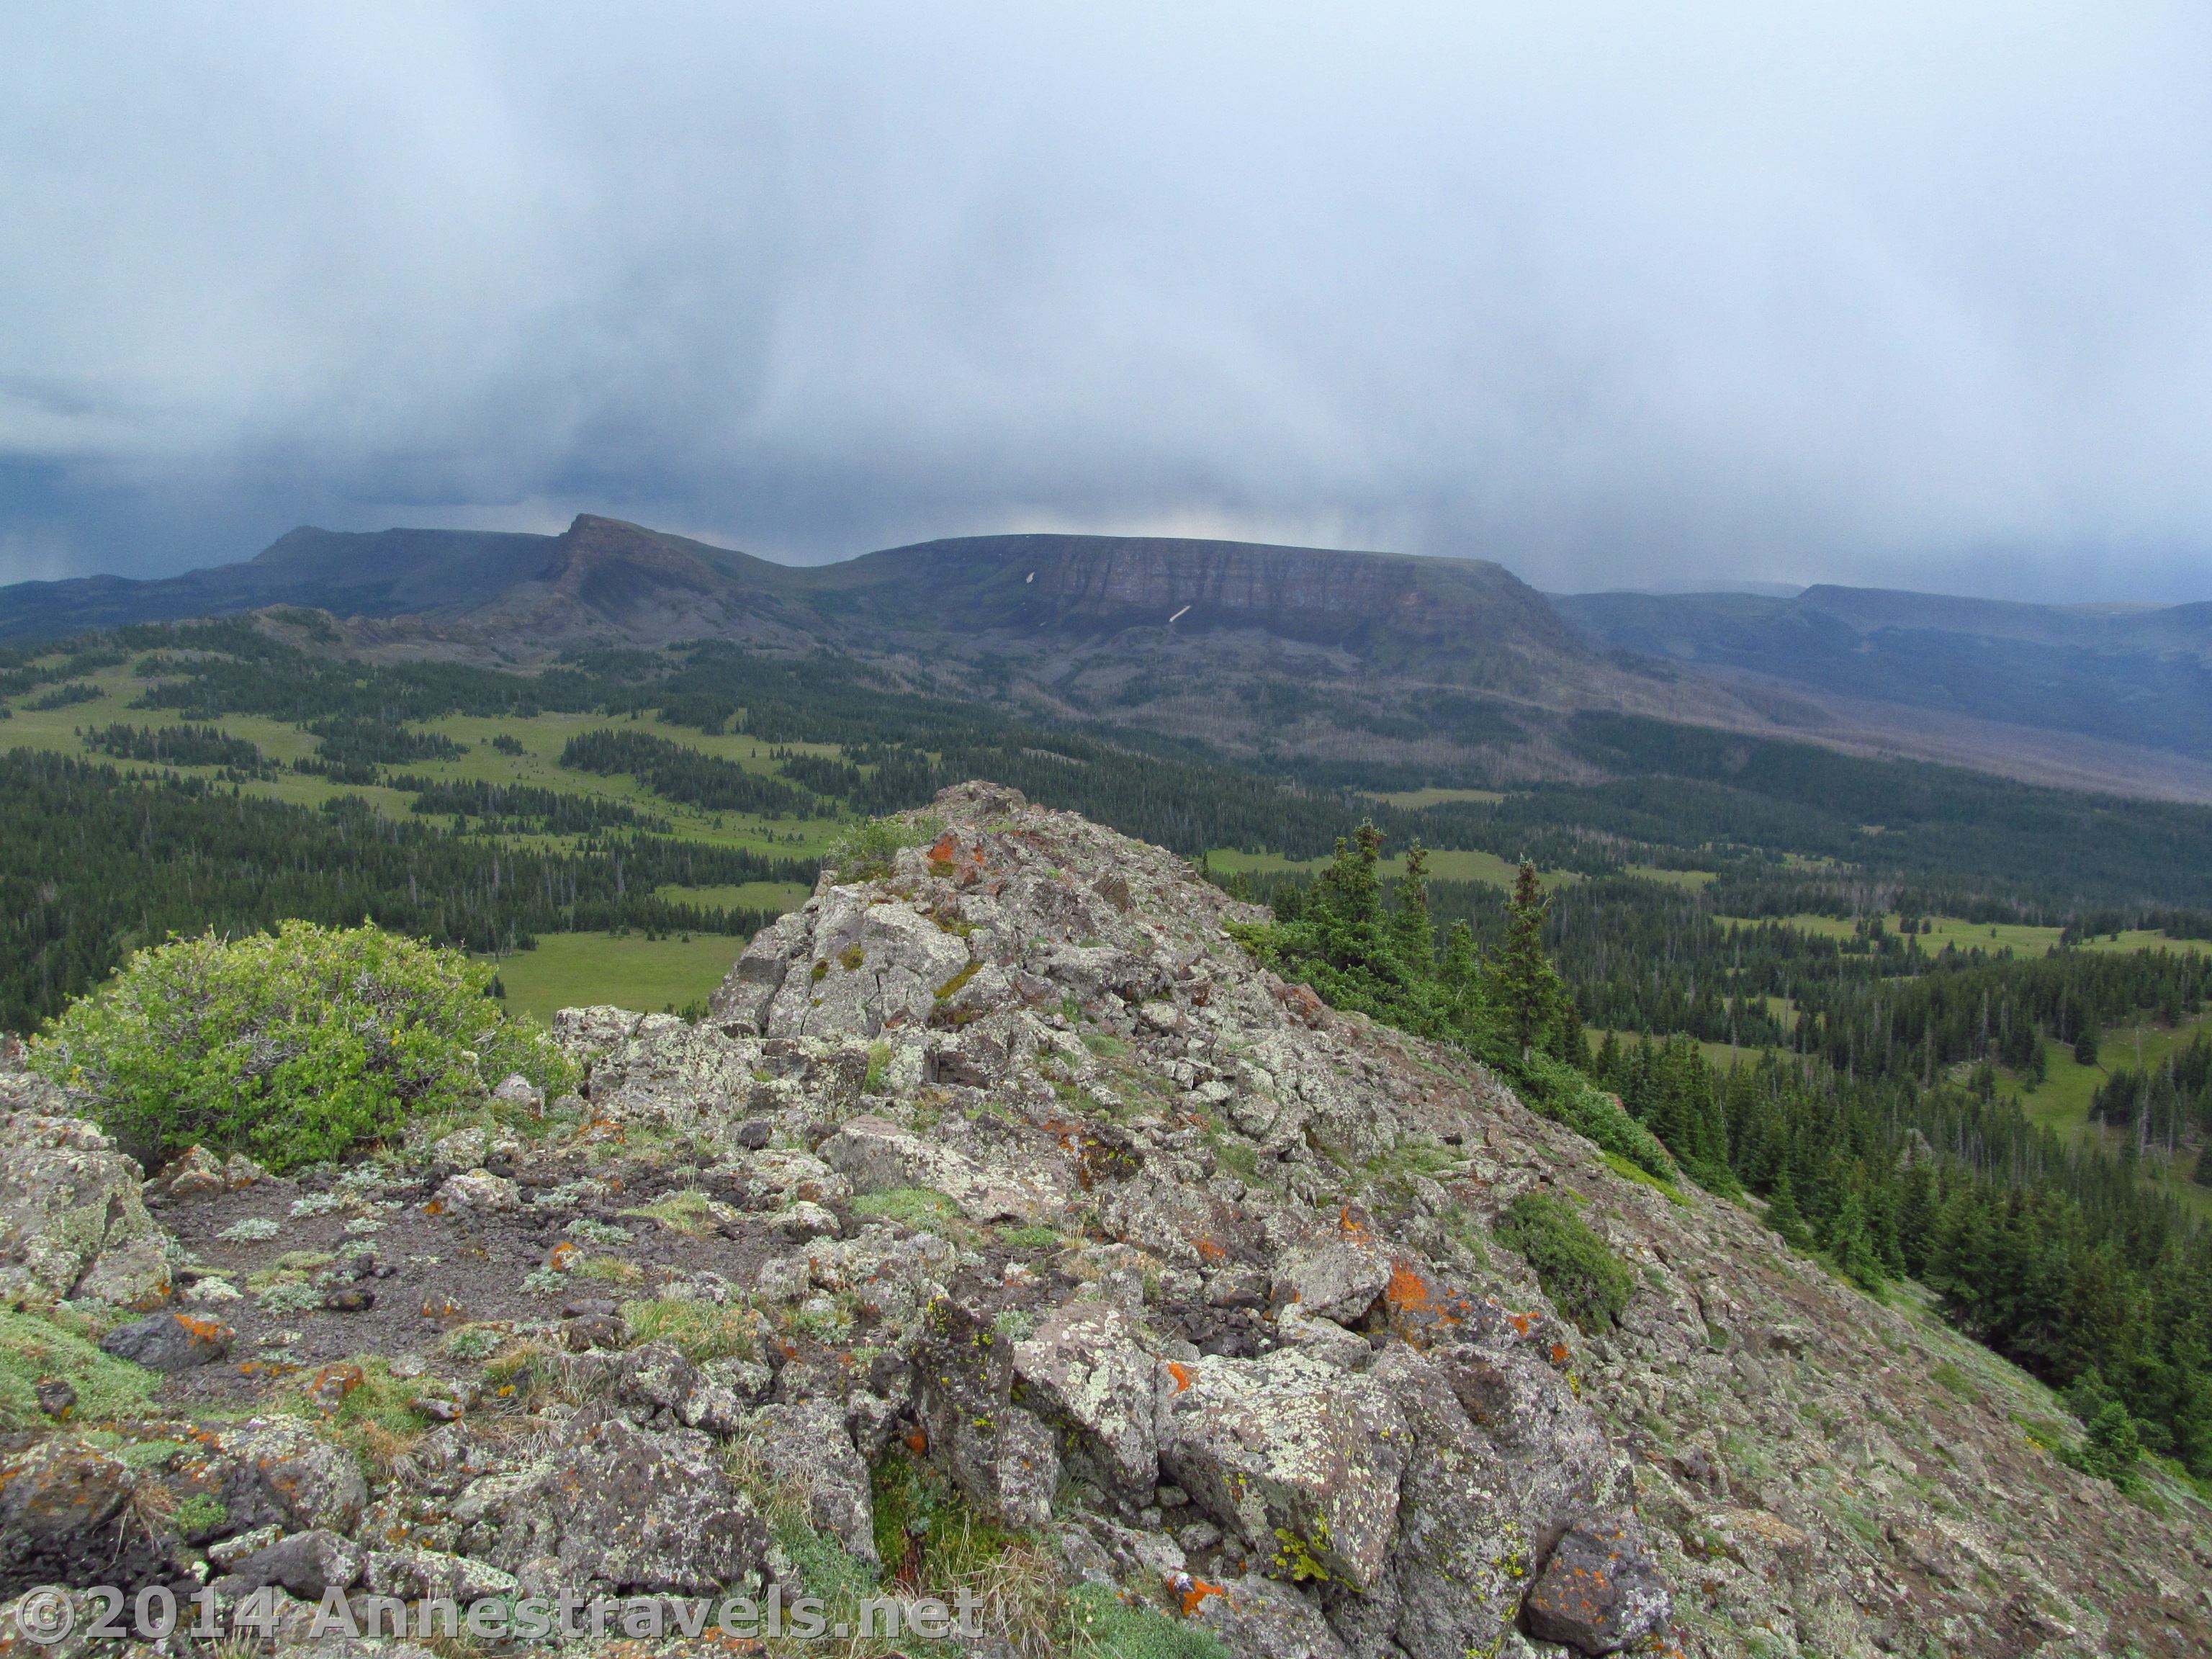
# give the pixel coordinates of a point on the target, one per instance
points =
(1002, 1222)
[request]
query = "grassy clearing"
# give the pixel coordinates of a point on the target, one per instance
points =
(573, 970)
(1993, 936)
(1689, 880)
(1444, 865)
(743, 896)
(1413, 800)
(2061, 1104)
(541, 737)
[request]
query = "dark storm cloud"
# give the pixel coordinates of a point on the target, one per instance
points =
(1624, 295)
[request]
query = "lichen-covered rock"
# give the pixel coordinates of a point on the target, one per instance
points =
(1086, 1371)
(66, 1517)
(1599, 1592)
(197, 1173)
(477, 1192)
(73, 1220)
(1255, 1616)
(618, 1508)
(304, 1565)
(864, 967)
(170, 1342)
(997, 1452)
(878, 1156)
(1300, 1458)
(279, 1470)
(807, 1445)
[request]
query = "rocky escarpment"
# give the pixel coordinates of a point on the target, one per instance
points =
(999, 1170)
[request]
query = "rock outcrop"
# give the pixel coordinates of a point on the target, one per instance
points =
(1001, 1184)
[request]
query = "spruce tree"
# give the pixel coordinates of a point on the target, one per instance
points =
(1523, 988)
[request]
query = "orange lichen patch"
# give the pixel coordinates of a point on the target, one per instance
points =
(917, 1441)
(1194, 1597)
(1559, 1355)
(1352, 1223)
(334, 1384)
(1520, 1323)
(207, 1330)
(563, 1257)
(435, 1206)
(945, 850)
(1409, 1290)
(1181, 1372)
(1209, 1250)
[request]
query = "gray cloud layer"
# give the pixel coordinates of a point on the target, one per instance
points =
(1618, 295)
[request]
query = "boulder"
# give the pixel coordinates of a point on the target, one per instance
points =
(65, 1517)
(868, 966)
(1085, 1372)
(73, 1221)
(1599, 1591)
(615, 1508)
(170, 1342)
(278, 1470)
(1257, 1617)
(1340, 1281)
(304, 1565)
(1301, 1459)
(807, 1445)
(877, 1155)
(197, 1173)
(741, 1003)
(477, 1192)
(413, 1574)
(999, 1455)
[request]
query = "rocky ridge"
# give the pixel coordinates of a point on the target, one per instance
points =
(1001, 1164)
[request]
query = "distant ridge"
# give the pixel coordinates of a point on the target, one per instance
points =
(2137, 674)
(1364, 660)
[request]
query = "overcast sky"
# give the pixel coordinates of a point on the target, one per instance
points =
(1632, 295)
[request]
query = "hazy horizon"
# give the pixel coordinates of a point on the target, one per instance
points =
(1712, 300)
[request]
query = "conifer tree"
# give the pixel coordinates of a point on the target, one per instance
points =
(1523, 987)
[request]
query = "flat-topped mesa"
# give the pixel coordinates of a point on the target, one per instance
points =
(1243, 1294)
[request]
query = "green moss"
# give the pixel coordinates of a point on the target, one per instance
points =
(1031, 1238)
(199, 1518)
(951, 988)
(851, 959)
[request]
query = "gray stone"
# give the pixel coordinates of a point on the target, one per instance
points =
(1255, 1616)
(625, 1509)
(304, 1565)
(1599, 1592)
(807, 1445)
(1301, 1459)
(170, 1342)
(73, 1220)
(1084, 1371)
(279, 1470)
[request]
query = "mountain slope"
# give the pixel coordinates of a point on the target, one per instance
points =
(2133, 675)
(382, 573)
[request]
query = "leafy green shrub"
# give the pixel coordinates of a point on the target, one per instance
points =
(1585, 1280)
(33, 1348)
(865, 852)
(292, 1046)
